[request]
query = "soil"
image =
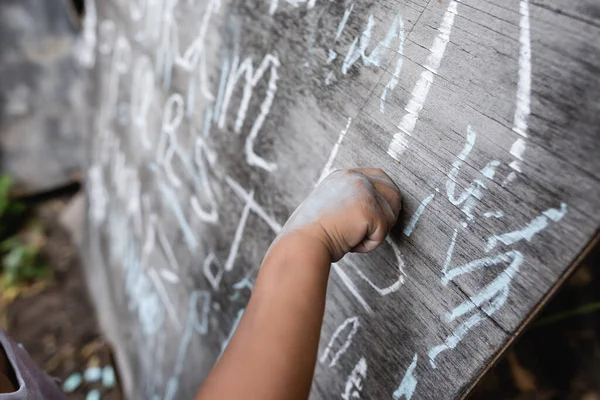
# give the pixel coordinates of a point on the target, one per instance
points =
(558, 357)
(55, 321)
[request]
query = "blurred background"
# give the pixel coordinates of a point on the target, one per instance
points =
(44, 303)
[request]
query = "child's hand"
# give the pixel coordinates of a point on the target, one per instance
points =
(350, 210)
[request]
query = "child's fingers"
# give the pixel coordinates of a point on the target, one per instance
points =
(378, 231)
(392, 197)
(376, 174)
(387, 189)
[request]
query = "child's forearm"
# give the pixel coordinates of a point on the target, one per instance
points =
(273, 351)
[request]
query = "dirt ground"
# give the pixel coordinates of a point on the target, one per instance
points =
(55, 321)
(558, 357)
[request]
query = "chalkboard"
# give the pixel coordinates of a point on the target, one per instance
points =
(213, 119)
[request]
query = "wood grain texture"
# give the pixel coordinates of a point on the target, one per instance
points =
(214, 119)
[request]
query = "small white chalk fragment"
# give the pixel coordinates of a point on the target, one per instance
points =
(494, 214)
(108, 377)
(511, 177)
(72, 383)
(518, 148)
(409, 382)
(92, 374)
(93, 395)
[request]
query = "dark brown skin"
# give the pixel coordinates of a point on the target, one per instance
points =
(273, 352)
(6, 373)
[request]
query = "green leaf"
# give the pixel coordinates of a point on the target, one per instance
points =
(6, 183)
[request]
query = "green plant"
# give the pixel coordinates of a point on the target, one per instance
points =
(20, 243)
(11, 212)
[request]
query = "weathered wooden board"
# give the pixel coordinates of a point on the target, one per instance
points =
(42, 94)
(214, 119)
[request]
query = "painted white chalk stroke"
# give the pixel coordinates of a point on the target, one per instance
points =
(331, 56)
(193, 59)
(510, 178)
(195, 52)
(166, 246)
(518, 148)
(489, 300)
(142, 94)
(124, 179)
(246, 70)
(85, 47)
(98, 195)
(530, 230)
(523, 107)
(523, 101)
(236, 322)
(421, 90)
(396, 30)
(275, 226)
(204, 153)
(354, 383)
(469, 197)
(498, 289)
(141, 295)
(237, 238)
(121, 60)
(170, 200)
(412, 223)
(408, 384)
(197, 321)
(449, 252)
(251, 157)
(351, 287)
(149, 241)
(454, 338)
(164, 297)
(244, 283)
(494, 214)
(195, 56)
(152, 23)
(327, 169)
(393, 82)
(169, 276)
(394, 287)
(167, 143)
(343, 22)
(354, 324)
(221, 92)
(213, 278)
(453, 174)
(328, 78)
(274, 4)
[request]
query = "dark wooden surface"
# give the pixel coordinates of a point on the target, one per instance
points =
(214, 119)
